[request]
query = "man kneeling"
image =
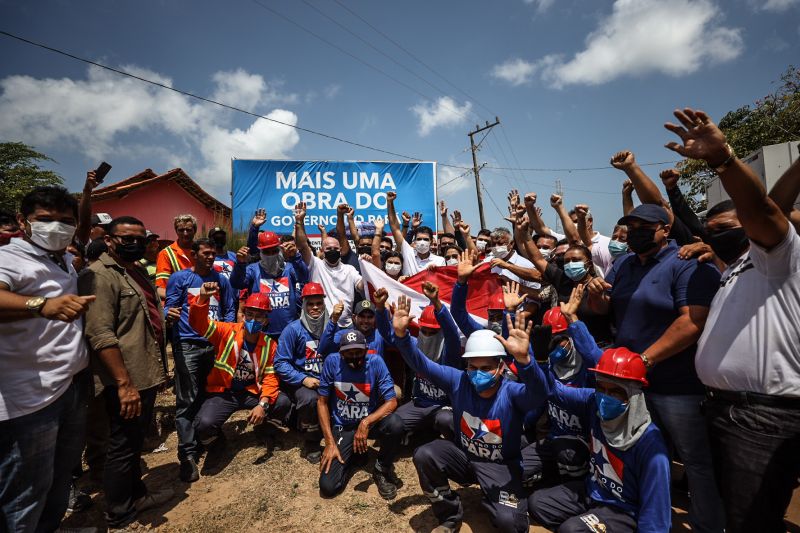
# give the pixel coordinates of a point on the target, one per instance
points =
(352, 385)
(242, 376)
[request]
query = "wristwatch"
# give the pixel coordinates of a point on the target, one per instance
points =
(719, 169)
(264, 404)
(645, 360)
(35, 304)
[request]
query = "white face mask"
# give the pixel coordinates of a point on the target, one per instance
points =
(423, 247)
(481, 245)
(393, 268)
(52, 236)
(451, 262)
(545, 252)
(500, 251)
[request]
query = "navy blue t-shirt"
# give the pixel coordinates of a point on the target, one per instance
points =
(645, 301)
(354, 394)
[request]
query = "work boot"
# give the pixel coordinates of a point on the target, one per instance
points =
(78, 500)
(153, 498)
(386, 481)
(189, 472)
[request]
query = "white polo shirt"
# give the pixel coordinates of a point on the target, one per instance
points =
(751, 341)
(413, 264)
(515, 259)
(339, 283)
(39, 357)
(601, 256)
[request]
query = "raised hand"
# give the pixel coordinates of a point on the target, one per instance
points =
(402, 316)
(342, 209)
(513, 199)
(530, 199)
(322, 230)
(456, 217)
(391, 196)
(351, 212)
(379, 298)
(379, 224)
(467, 265)
(582, 211)
(289, 249)
(669, 178)
(442, 208)
(623, 160)
(91, 181)
(416, 220)
(259, 217)
(701, 138)
(570, 308)
(300, 212)
(627, 187)
(464, 228)
(555, 201)
(431, 291)
(406, 218)
(209, 288)
(338, 309)
(524, 224)
(511, 297)
(519, 337)
(243, 255)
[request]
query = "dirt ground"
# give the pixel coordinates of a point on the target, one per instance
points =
(247, 489)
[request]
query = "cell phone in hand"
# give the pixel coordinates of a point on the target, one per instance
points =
(101, 171)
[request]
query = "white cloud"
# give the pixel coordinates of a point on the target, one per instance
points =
(445, 112)
(451, 180)
(541, 5)
(97, 115)
(515, 71)
(776, 5)
(673, 37)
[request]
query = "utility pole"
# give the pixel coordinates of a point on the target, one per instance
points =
(559, 192)
(475, 167)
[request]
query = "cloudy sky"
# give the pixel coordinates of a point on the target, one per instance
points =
(572, 82)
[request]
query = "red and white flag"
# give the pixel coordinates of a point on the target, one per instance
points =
(482, 285)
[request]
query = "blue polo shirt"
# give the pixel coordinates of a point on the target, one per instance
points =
(645, 299)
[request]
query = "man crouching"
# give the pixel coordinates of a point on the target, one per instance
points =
(351, 388)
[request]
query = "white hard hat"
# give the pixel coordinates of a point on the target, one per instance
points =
(483, 344)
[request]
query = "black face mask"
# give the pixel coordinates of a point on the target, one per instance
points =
(365, 250)
(728, 244)
(384, 255)
(333, 256)
(220, 242)
(641, 240)
(130, 252)
(355, 364)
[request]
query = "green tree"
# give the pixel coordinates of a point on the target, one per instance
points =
(771, 120)
(20, 173)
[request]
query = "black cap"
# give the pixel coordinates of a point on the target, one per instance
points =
(149, 234)
(351, 340)
(648, 213)
(365, 305)
(215, 230)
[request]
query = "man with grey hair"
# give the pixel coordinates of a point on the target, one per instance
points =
(178, 255)
(506, 261)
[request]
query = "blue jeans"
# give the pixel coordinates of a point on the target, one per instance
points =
(193, 362)
(38, 452)
(681, 418)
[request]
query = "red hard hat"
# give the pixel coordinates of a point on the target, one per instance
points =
(623, 364)
(267, 240)
(555, 320)
(496, 302)
(312, 289)
(428, 318)
(258, 300)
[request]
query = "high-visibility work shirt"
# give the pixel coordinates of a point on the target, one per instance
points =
(170, 260)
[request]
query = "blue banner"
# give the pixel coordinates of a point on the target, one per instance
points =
(278, 185)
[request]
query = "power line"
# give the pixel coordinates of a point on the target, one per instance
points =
(294, 126)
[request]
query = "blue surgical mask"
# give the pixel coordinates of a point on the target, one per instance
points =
(253, 326)
(559, 354)
(617, 248)
(575, 270)
(482, 380)
(609, 407)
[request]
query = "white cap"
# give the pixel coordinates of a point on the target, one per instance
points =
(483, 344)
